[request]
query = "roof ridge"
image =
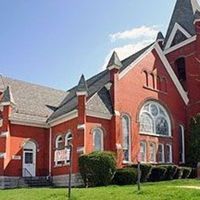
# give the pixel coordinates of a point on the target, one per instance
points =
(30, 83)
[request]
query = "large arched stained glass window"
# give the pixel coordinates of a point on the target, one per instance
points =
(154, 119)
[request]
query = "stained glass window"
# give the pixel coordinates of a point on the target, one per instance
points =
(98, 139)
(126, 137)
(154, 119)
(152, 152)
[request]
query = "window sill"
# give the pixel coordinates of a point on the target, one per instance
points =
(154, 90)
(155, 135)
(127, 162)
(61, 165)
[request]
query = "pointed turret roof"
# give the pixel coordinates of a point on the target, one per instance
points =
(82, 85)
(160, 36)
(7, 96)
(183, 15)
(114, 61)
(197, 15)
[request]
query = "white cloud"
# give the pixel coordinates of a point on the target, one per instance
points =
(127, 50)
(135, 33)
(137, 38)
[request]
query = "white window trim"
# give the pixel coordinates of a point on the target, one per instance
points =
(56, 145)
(66, 141)
(183, 143)
(173, 33)
(154, 161)
(163, 153)
(145, 158)
(170, 153)
(102, 138)
(166, 117)
(57, 140)
(129, 148)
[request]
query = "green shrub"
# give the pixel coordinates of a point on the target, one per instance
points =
(145, 171)
(186, 172)
(179, 173)
(126, 176)
(193, 173)
(171, 171)
(97, 168)
(157, 173)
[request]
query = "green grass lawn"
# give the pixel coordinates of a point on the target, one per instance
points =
(149, 191)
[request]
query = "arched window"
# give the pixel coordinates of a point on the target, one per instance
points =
(59, 142)
(154, 119)
(146, 78)
(126, 137)
(143, 152)
(152, 152)
(98, 139)
(68, 138)
(181, 69)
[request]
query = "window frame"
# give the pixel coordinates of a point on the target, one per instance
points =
(153, 119)
(102, 138)
(154, 152)
(163, 153)
(129, 139)
(145, 156)
(170, 153)
(181, 127)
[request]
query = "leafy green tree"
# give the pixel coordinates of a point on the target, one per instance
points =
(194, 141)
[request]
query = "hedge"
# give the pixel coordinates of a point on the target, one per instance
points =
(145, 171)
(179, 173)
(125, 176)
(193, 173)
(186, 172)
(97, 168)
(158, 173)
(171, 171)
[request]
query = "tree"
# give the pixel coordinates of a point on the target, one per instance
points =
(194, 141)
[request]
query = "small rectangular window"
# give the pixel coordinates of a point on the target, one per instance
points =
(161, 153)
(143, 151)
(168, 153)
(152, 152)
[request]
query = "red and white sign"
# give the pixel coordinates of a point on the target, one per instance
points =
(62, 155)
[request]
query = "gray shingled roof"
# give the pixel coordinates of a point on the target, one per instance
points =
(95, 85)
(82, 85)
(160, 36)
(183, 14)
(114, 61)
(32, 101)
(101, 102)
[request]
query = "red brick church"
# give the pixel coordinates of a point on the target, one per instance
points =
(138, 106)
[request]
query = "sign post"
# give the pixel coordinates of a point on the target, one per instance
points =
(70, 146)
(139, 172)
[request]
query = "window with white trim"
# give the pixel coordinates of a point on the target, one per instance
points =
(59, 142)
(126, 138)
(161, 154)
(154, 119)
(152, 152)
(182, 144)
(68, 139)
(98, 139)
(168, 153)
(143, 151)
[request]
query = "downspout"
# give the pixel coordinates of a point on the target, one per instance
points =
(50, 150)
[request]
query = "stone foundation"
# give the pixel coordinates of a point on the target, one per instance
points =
(63, 180)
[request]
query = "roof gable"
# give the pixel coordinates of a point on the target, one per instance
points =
(183, 15)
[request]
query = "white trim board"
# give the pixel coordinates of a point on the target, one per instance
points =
(167, 66)
(181, 44)
(173, 33)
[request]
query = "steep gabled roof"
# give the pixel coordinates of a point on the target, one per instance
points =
(7, 96)
(183, 15)
(32, 102)
(82, 85)
(160, 36)
(114, 61)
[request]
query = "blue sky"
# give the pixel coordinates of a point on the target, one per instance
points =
(52, 42)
